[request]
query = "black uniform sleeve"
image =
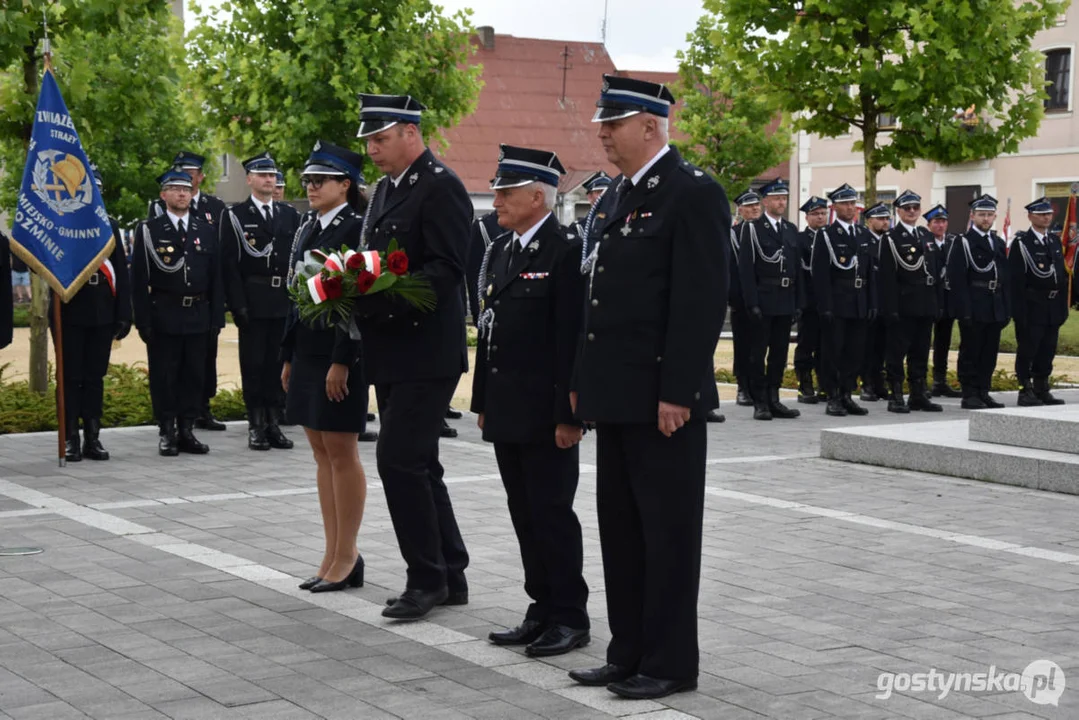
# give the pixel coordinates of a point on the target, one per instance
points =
(698, 266)
(122, 278)
(7, 304)
(888, 279)
(140, 279)
(747, 266)
(821, 269)
(958, 288)
(569, 287)
(230, 264)
(217, 291)
(476, 248)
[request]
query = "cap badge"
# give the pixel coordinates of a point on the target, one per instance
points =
(318, 145)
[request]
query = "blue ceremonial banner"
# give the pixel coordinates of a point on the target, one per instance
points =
(61, 229)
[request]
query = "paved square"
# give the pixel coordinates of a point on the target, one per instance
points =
(167, 589)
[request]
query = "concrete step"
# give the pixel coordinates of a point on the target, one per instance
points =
(1053, 428)
(945, 448)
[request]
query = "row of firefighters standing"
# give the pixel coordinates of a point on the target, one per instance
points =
(871, 301)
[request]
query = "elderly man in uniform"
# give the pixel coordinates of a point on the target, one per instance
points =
(807, 351)
(1039, 303)
(178, 299)
(843, 277)
(936, 219)
(654, 310)
(749, 209)
(532, 287)
(256, 247)
(769, 263)
(415, 359)
(979, 283)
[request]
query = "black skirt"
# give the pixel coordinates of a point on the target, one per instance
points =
(306, 403)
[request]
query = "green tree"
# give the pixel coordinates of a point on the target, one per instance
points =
(838, 64)
(726, 117)
(120, 67)
(279, 76)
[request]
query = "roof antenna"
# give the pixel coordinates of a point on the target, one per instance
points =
(603, 27)
(565, 67)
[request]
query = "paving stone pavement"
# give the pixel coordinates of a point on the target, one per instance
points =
(167, 589)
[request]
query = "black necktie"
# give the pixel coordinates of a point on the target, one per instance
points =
(182, 229)
(266, 213)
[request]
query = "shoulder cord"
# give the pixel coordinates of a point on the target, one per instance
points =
(851, 265)
(1033, 267)
(909, 267)
(295, 245)
(151, 254)
(812, 244)
(367, 213)
(776, 257)
(588, 257)
(991, 267)
(266, 252)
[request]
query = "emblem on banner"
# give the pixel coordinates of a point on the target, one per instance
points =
(61, 181)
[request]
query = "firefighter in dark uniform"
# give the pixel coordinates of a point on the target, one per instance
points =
(807, 351)
(909, 292)
(980, 294)
(485, 230)
(594, 186)
(178, 299)
(653, 313)
(749, 209)
(208, 209)
(769, 263)
(532, 287)
(415, 359)
(937, 222)
(256, 245)
(1039, 303)
(843, 277)
(98, 314)
(7, 302)
(279, 189)
(876, 332)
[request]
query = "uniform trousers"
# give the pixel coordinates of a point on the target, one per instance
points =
(411, 416)
(979, 343)
(740, 330)
(770, 335)
(86, 360)
(177, 366)
(1036, 348)
(908, 338)
(807, 351)
(541, 481)
(842, 348)
(260, 364)
(650, 504)
(876, 341)
(942, 345)
(209, 371)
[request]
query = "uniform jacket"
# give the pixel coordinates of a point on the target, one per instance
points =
(771, 286)
(484, 231)
(321, 342)
(846, 293)
(979, 296)
(7, 304)
(805, 278)
(252, 283)
(429, 215)
(94, 304)
(1038, 300)
(657, 295)
(905, 292)
(734, 286)
(176, 302)
(523, 367)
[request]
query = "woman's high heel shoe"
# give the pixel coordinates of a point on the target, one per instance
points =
(354, 579)
(310, 582)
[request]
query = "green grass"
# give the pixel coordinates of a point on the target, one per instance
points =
(1068, 344)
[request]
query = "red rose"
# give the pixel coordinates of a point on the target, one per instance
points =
(332, 286)
(397, 262)
(355, 262)
(364, 281)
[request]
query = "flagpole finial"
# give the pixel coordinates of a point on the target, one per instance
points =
(46, 46)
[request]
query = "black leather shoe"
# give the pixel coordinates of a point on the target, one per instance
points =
(852, 407)
(207, 421)
(414, 604)
(715, 417)
(188, 443)
(447, 431)
(642, 687)
(274, 436)
(990, 402)
(778, 409)
(598, 677)
(1027, 398)
(92, 449)
(743, 399)
(256, 430)
(558, 640)
(353, 579)
(370, 417)
(835, 406)
(455, 597)
(73, 447)
(943, 389)
(973, 403)
(168, 442)
(523, 634)
(310, 582)
(453, 414)
(761, 411)
(868, 395)
(367, 436)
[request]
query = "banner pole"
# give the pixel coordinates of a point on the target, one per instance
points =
(61, 410)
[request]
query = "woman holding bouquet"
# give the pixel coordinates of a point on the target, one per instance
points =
(321, 376)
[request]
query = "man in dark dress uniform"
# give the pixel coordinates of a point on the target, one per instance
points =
(279, 189)
(415, 359)
(178, 298)
(532, 287)
(256, 245)
(980, 285)
(98, 314)
(594, 186)
(485, 230)
(7, 302)
(1039, 303)
(909, 295)
(876, 332)
(653, 313)
(207, 209)
(937, 222)
(843, 280)
(807, 351)
(769, 263)
(749, 209)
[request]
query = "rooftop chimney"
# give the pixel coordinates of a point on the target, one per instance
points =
(487, 36)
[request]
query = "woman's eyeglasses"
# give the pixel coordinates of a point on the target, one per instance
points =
(315, 181)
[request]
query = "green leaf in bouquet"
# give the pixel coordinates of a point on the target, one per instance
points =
(392, 247)
(383, 282)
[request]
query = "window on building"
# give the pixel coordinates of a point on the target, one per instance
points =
(886, 121)
(1058, 76)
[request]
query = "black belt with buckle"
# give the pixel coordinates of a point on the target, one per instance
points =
(854, 283)
(185, 300)
(1043, 292)
(94, 279)
(776, 282)
(990, 285)
(274, 281)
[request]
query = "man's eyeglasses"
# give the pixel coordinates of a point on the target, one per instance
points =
(911, 207)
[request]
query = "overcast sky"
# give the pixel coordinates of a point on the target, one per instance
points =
(641, 34)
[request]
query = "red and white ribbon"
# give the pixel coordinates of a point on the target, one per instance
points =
(317, 289)
(372, 262)
(110, 274)
(334, 262)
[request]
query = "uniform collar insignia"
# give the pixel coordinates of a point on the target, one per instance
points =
(438, 168)
(413, 178)
(652, 182)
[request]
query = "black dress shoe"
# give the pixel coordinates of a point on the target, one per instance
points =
(447, 431)
(990, 402)
(92, 449)
(973, 403)
(353, 579)
(207, 421)
(188, 443)
(453, 414)
(558, 640)
(274, 436)
(743, 399)
(642, 687)
(414, 604)
(852, 407)
(715, 417)
(596, 677)
(367, 436)
(73, 447)
(943, 389)
(310, 582)
(456, 597)
(523, 634)
(370, 417)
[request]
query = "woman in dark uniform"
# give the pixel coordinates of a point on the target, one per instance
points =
(321, 376)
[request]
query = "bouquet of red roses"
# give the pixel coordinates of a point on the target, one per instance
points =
(326, 284)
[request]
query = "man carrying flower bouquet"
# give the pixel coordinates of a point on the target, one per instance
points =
(414, 358)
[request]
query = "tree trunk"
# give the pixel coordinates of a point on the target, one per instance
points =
(39, 306)
(869, 158)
